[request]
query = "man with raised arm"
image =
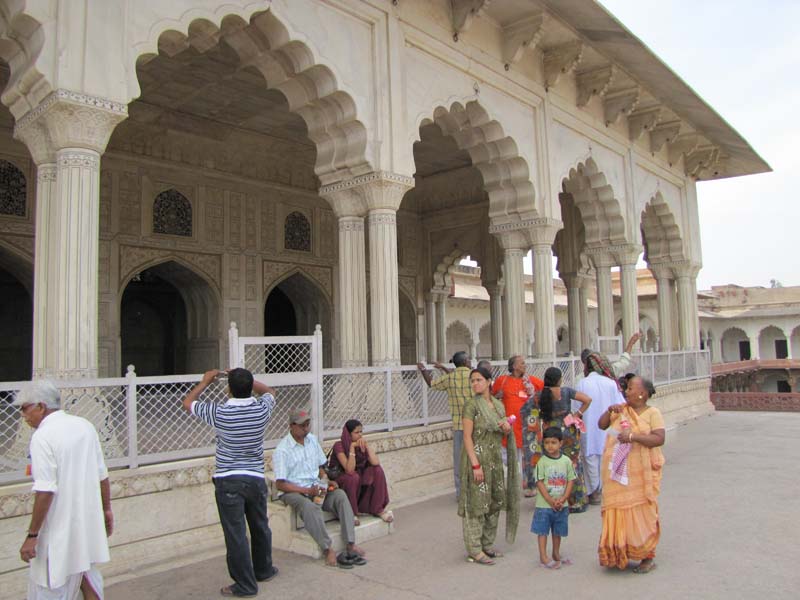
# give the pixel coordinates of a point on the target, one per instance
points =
(239, 485)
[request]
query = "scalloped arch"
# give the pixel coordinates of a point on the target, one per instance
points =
(149, 264)
(459, 326)
(21, 41)
(262, 41)
(600, 211)
(505, 174)
(445, 267)
(661, 234)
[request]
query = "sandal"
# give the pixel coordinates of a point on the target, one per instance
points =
(481, 559)
(553, 564)
(493, 553)
(644, 569)
(387, 516)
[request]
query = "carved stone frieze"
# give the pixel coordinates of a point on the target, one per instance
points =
(642, 120)
(682, 144)
(251, 223)
(520, 35)
(594, 82)
(663, 133)
(133, 259)
(620, 102)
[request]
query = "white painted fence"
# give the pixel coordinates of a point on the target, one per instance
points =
(141, 421)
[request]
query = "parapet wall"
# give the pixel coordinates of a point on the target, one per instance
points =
(166, 511)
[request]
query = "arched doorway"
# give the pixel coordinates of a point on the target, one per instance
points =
(295, 306)
(408, 331)
(735, 345)
(16, 328)
(168, 322)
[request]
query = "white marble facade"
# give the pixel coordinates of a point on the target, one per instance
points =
(290, 162)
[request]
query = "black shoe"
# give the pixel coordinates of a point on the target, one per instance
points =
(269, 577)
(343, 561)
(356, 559)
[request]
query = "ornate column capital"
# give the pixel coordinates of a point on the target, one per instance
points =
(538, 232)
(495, 288)
(684, 269)
(67, 119)
(661, 271)
(600, 258)
(379, 190)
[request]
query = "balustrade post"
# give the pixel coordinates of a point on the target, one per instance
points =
(388, 399)
(426, 419)
(133, 422)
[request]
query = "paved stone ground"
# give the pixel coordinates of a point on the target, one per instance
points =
(730, 528)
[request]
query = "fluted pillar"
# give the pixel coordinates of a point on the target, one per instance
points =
(383, 287)
(544, 343)
(574, 312)
(514, 314)
(430, 327)
(352, 304)
(496, 320)
(66, 134)
(630, 299)
(665, 294)
(605, 298)
(349, 206)
(688, 322)
(441, 327)
(586, 331)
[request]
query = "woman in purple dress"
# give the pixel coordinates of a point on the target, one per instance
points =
(363, 479)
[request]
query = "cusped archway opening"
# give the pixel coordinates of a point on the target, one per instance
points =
(295, 306)
(735, 345)
(16, 317)
(772, 343)
(169, 319)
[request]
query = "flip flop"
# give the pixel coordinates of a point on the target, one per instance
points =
(229, 593)
(480, 560)
(387, 516)
(566, 561)
(553, 564)
(492, 553)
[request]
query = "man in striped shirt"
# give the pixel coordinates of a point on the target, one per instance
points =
(240, 487)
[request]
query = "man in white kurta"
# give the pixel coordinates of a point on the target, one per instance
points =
(72, 513)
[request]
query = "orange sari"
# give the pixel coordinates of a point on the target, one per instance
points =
(630, 512)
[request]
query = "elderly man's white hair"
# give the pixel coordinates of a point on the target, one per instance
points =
(39, 391)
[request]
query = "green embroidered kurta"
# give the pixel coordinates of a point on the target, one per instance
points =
(492, 495)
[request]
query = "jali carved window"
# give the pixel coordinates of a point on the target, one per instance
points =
(297, 232)
(172, 214)
(13, 187)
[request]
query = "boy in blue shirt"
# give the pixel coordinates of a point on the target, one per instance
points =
(555, 477)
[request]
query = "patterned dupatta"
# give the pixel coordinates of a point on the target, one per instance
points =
(493, 416)
(650, 460)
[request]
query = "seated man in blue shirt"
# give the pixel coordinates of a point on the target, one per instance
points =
(298, 461)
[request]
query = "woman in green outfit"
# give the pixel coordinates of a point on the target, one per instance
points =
(484, 489)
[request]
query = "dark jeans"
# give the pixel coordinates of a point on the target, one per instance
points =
(240, 498)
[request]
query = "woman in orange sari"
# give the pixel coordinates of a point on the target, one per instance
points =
(631, 471)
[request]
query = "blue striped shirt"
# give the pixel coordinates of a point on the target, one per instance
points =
(240, 425)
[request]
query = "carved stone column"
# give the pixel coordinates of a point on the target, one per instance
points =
(351, 302)
(716, 349)
(441, 326)
(514, 245)
(630, 297)
(665, 294)
(383, 193)
(605, 299)
(66, 134)
(688, 321)
(574, 313)
(430, 326)
(586, 329)
(544, 343)
(496, 319)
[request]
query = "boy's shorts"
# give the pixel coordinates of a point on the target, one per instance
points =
(546, 520)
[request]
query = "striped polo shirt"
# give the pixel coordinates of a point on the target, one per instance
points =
(240, 425)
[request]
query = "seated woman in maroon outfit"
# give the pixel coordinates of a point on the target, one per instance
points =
(363, 479)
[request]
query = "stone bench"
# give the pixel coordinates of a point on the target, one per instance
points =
(289, 533)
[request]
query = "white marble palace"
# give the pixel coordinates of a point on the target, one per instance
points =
(169, 167)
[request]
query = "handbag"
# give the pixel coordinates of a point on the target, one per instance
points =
(332, 467)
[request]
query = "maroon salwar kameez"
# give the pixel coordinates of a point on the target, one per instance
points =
(366, 486)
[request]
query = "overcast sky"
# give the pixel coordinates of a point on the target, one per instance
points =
(743, 58)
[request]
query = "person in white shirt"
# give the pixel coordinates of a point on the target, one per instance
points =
(72, 517)
(601, 386)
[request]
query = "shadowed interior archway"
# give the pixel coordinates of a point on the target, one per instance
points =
(169, 319)
(16, 316)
